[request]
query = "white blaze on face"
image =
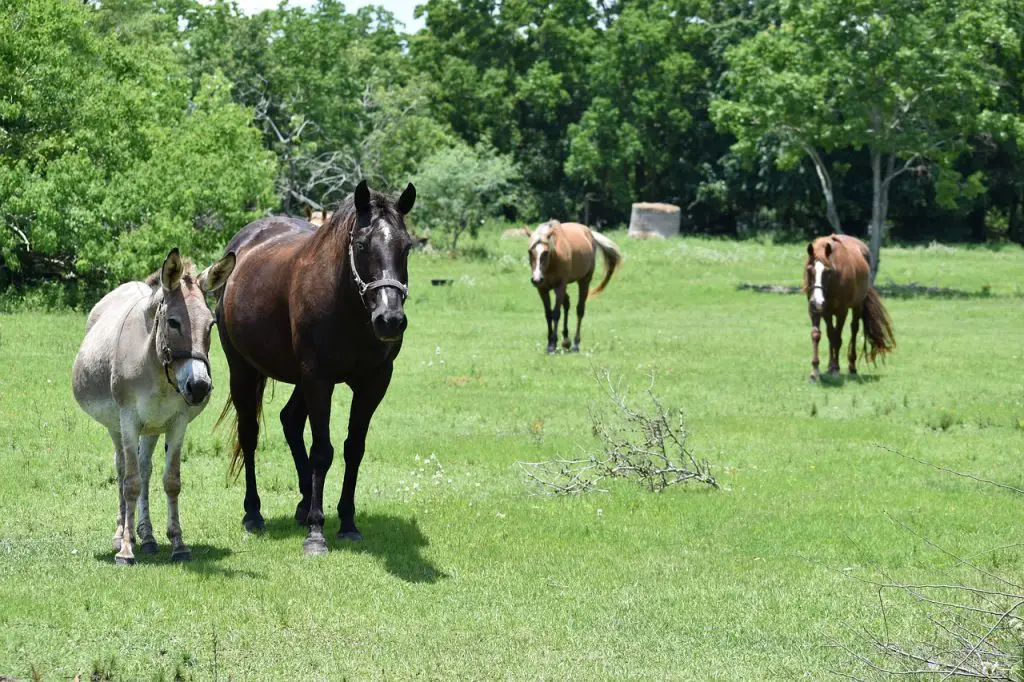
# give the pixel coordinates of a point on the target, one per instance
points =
(538, 249)
(817, 293)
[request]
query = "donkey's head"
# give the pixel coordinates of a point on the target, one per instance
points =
(379, 254)
(183, 322)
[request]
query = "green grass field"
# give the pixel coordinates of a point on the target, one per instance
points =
(468, 574)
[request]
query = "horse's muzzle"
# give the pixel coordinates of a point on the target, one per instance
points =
(390, 325)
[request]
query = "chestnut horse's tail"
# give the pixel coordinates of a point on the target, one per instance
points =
(878, 335)
(229, 408)
(612, 259)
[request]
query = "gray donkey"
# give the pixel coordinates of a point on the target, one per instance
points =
(143, 369)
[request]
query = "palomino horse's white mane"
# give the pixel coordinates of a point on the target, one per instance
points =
(542, 235)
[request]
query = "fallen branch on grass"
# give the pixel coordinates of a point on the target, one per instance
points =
(645, 447)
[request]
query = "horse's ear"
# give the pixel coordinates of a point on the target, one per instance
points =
(810, 249)
(407, 199)
(309, 212)
(216, 276)
(171, 271)
(828, 250)
(362, 197)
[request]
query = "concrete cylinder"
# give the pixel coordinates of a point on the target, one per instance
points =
(659, 221)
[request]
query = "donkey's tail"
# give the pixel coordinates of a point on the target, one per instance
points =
(878, 335)
(612, 259)
(229, 409)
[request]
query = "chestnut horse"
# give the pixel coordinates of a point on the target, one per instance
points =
(563, 253)
(314, 308)
(837, 279)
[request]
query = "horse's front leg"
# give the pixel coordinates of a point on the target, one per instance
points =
(144, 531)
(172, 487)
(366, 396)
(317, 395)
(131, 484)
(555, 312)
(835, 342)
(545, 296)
(815, 339)
(565, 319)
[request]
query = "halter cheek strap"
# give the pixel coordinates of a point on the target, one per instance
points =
(365, 288)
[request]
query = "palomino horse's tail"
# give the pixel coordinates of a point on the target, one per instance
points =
(612, 259)
(878, 335)
(229, 408)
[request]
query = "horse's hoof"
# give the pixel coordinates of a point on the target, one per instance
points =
(117, 544)
(256, 525)
(575, 348)
(551, 350)
(566, 344)
(314, 545)
(813, 378)
(182, 554)
(353, 535)
(124, 561)
(148, 546)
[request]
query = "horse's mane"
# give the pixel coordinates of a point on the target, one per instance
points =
(543, 232)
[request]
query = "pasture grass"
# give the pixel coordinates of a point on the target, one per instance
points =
(464, 573)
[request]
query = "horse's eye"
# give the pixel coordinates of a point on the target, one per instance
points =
(174, 324)
(360, 246)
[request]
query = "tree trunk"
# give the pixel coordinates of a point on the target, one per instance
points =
(826, 188)
(879, 204)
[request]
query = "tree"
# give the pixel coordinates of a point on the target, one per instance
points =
(461, 186)
(906, 80)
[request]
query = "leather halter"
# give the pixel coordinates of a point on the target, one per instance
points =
(365, 288)
(167, 356)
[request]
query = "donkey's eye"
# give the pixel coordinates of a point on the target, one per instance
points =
(174, 324)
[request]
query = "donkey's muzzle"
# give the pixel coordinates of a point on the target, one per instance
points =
(196, 391)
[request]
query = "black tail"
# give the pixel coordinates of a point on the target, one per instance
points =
(878, 335)
(229, 408)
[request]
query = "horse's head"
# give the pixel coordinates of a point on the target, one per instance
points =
(540, 252)
(378, 254)
(183, 322)
(818, 272)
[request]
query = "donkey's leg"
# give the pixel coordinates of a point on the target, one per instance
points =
(119, 468)
(835, 338)
(172, 487)
(565, 321)
(545, 296)
(581, 308)
(851, 356)
(815, 338)
(131, 484)
(366, 396)
(144, 531)
(317, 394)
(293, 421)
(245, 395)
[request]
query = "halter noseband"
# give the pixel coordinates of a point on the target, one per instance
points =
(167, 356)
(365, 288)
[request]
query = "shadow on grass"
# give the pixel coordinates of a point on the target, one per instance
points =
(889, 290)
(840, 380)
(204, 560)
(396, 541)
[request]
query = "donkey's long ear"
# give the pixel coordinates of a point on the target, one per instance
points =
(171, 271)
(407, 199)
(216, 276)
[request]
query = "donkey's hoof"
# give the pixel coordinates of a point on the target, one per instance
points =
(314, 545)
(149, 546)
(117, 544)
(351, 535)
(182, 554)
(124, 560)
(255, 525)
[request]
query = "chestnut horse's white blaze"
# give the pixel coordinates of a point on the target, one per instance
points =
(817, 292)
(137, 337)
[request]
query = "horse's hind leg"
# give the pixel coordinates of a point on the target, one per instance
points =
(293, 421)
(144, 530)
(245, 394)
(835, 341)
(559, 302)
(581, 308)
(851, 355)
(172, 487)
(565, 321)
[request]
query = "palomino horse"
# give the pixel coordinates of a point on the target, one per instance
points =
(137, 338)
(563, 253)
(837, 279)
(316, 218)
(314, 308)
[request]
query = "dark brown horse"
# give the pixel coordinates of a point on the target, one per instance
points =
(314, 308)
(837, 280)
